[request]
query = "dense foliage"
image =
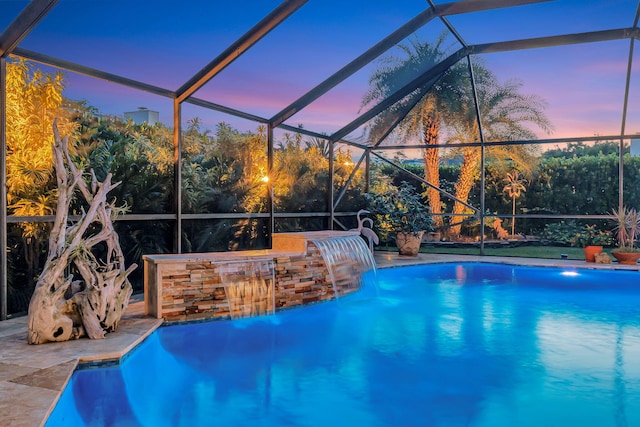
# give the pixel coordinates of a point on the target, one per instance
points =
(225, 175)
(34, 101)
(581, 185)
(562, 184)
(590, 235)
(399, 209)
(579, 149)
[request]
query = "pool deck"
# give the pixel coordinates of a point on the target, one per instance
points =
(33, 376)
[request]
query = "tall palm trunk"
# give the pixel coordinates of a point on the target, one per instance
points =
(513, 215)
(431, 156)
(469, 171)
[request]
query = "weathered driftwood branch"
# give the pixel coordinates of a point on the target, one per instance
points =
(64, 308)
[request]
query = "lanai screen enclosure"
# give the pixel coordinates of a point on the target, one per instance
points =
(471, 88)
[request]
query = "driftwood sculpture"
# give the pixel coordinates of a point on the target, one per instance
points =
(92, 297)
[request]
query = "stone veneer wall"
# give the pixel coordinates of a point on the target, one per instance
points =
(193, 286)
(195, 290)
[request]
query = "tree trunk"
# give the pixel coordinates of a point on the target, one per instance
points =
(469, 172)
(62, 308)
(431, 156)
(513, 216)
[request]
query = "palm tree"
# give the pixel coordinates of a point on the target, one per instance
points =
(505, 114)
(448, 108)
(514, 188)
(430, 112)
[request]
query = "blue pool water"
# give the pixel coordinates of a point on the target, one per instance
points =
(439, 345)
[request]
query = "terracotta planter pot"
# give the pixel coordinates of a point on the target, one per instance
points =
(409, 243)
(590, 253)
(628, 258)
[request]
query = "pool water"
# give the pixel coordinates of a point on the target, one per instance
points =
(439, 345)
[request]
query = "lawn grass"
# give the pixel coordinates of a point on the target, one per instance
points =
(526, 251)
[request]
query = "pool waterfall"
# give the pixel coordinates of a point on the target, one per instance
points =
(249, 291)
(301, 268)
(338, 254)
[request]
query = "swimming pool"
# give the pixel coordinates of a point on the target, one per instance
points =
(472, 344)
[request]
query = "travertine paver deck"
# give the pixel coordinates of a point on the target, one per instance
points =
(32, 377)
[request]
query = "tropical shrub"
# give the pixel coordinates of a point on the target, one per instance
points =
(561, 233)
(399, 209)
(33, 101)
(590, 235)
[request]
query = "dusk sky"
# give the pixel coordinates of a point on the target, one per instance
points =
(165, 42)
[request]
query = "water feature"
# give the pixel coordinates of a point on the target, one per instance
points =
(339, 254)
(185, 287)
(248, 285)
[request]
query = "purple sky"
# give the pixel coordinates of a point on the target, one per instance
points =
(165, 42)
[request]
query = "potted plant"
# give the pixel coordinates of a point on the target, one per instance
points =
(627, 229)
(400, 210)
(592, 241)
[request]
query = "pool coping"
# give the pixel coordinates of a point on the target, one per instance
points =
(33, 377)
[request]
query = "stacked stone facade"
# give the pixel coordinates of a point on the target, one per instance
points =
(231, 285)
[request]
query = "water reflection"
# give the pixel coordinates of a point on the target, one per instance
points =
(619, 382)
